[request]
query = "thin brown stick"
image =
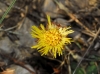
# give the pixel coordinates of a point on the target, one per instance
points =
(87, 51)
(22, 64)
(72, 16)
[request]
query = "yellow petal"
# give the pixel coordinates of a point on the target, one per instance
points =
(36, 29)
(35, 46)
(34, 35)
(42, 27)
(49, 21)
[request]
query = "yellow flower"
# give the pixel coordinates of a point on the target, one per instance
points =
(51, 39)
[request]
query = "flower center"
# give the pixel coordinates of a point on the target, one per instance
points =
(52, 37)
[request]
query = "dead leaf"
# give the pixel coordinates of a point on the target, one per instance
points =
(8, 71)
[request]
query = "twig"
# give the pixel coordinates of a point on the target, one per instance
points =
(87, 51)
(22, 64)
(72, 16)
(75, 56)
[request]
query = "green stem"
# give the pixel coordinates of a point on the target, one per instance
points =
(8, 9)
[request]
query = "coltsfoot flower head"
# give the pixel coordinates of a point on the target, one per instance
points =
(51, 39)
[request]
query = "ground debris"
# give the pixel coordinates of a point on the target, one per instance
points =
(80, 57)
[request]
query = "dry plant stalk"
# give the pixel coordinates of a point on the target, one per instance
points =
(72, 16)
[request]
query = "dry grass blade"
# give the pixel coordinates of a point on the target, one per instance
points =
(87, 51)
(72, 16)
